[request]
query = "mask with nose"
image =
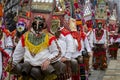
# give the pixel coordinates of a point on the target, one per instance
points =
(20, 26)
(38, 24)
(99, 26)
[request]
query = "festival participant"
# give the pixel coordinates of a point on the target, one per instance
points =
(81, 55)
(2, 53)
(1, 35)
(20, 30)
(99, 40)
(66, 36)
(77, 57)
(113, 41)
(39, 52)
(113, 35)
(87, 49)
(88, 30)
(65, 44)
(9, 33)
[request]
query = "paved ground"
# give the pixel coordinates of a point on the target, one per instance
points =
(111, 73)
(97, 75)
(113, 70)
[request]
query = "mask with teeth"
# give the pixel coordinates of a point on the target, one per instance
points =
(38, 24)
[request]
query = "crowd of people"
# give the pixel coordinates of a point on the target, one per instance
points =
(39, 54)
(66, 54)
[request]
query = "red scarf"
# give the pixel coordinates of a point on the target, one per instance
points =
(99, 34)
(115, 37)
(83, 35)
(8, 33)
(65, 32)
(77, 36)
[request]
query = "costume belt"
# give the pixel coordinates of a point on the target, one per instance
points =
(9, 47)
(99, 45)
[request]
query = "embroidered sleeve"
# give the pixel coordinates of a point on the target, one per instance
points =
(52, 46)
(55, 58)
(53, 50)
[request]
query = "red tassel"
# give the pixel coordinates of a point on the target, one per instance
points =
(4, 53)
(23, 40)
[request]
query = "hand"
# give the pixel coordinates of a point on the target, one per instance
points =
(45, 64)
(105, 45)
(90, 54)
(13, 66)
(63, 59)
(10, 67)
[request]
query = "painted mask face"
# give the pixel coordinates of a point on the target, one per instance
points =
(38, 24)
(99, 26)
(20, 26)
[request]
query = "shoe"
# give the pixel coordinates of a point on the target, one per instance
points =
(89, 74)
(95, 68)
(103, 69)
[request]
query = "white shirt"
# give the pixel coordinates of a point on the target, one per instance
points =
(22, 52)
(70, 48)
(77, 52)
(103, 39)
(62, 45)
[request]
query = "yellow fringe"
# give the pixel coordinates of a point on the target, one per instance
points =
(36, 49)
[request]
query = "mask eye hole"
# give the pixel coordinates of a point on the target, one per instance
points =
(21, 24)
(34, 23)
(40, 22)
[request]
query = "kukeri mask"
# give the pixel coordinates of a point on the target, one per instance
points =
(38, 24)
(20, 26)
(99, 26)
